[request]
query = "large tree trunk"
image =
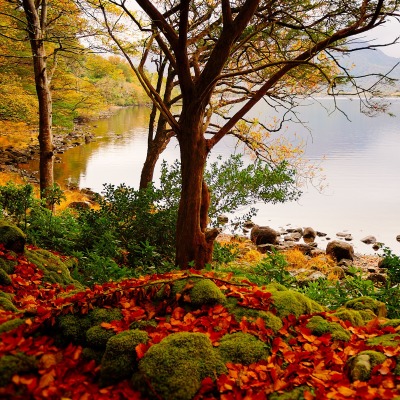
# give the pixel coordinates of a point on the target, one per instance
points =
(192, 245)
(36, 28)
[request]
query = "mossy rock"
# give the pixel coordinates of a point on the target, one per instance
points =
(389, 340)
(319, 326)
(7, 305)
(55, 271)
(295, 394)
(176, 366)
(73, 327)
(200, 291)
(271, 321)
(8, 265)
(391, 322)
(242, 348)
(353, 316)
(361, 365)
(4, 278)
(19, 363)
(289, 302)
(367, 303)
(275, 286)
(93, 354)
(119, 360)
(143, 324)
(10, 325)
(97, 337)
(12, 237)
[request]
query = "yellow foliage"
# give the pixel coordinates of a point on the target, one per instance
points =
(297, 260)
(252, 256)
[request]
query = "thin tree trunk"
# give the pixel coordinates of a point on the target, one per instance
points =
(36, 28)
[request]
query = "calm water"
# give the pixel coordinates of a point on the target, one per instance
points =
(360, 159)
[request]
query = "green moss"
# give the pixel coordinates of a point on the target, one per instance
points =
(396, 371)
(367, 303)
(7, 296)
(295, 394)
(55, 271)
(12, 237)
(290, 302)
(7, 265)
(361, 365)
(353, 316)
(143, 324)
(176, 366)
(15, 364)
(271, 321)
(93, 354)
(392, 322)
(7, 305)
(390, 340)
(242, 348)
(367, 315)
(73, 327)
(206, 291)
(99, 315)
(97, 337)
(4, 278)
(119, 359)
(275, 286)
(10, 325)
(320, 326)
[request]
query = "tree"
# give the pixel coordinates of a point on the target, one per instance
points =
(228, 53)
(48, 30)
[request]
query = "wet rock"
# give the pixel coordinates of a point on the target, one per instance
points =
(321, 234)
(344, 235)
(340, 250)
(248, 224)
(378, 279)
(398, 238)
(299, 230)
(296, 236)
(369, 239)
(263, 235)
(309, 234)
(376, 247)
(338, 271)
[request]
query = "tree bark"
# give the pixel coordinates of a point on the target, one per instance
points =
(36, 31)
(192, 246)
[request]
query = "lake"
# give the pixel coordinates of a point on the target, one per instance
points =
(360, 157)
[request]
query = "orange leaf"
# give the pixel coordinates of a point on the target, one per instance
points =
(106, 325)
(47, 379)
(346, 391)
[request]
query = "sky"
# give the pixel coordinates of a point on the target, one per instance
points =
(386, 33)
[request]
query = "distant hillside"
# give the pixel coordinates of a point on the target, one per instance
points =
(373, 61)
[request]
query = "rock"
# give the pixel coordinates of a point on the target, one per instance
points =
(361, 365)
(378, 279)
(340, 250)
(369, 239)
(398, 238)
(376, 247)
(299, 230)
(296, 236)
(343, 235)
(321, 234)
(348, 238)
(338, 271)
(309, 235)
(313, 277)
(222, 219)
(248, 224)
(12, 237)
(263, 235)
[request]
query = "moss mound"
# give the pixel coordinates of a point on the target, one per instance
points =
(319, 326)
(97, 337)
(15, 364)
(119, 359)
(289, 302)
(353, 316)
(390, 340)
(392, 322)
(7, 305)
(7, 265)
(360, 366)
(73, 327)
(367, 303)
(12, 237)
(242, 348)
(271, 321)
(10, 325)
(4, 278)
(176, 366)
(55, 270)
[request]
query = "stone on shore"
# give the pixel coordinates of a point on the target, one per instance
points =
(340, 250)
